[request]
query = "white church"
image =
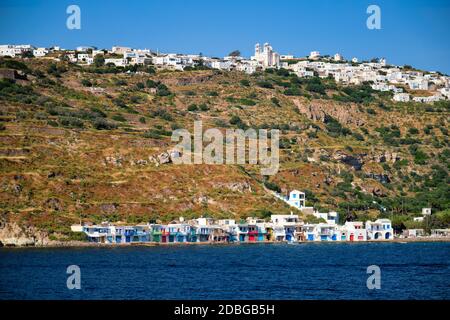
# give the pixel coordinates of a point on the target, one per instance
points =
(266, 57)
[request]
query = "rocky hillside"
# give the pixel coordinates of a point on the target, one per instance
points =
(91, 144)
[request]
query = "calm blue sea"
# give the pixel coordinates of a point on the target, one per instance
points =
(265, 271)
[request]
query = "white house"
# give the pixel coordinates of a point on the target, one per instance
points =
(418, 84)
(120, 50)
(246, 66)
(120, 62)
(321, 232)
(381, 229)
(445, 92)
(401, 97)
(84, 48)
(40, 52)
(353, 231)
(297, 199)
(331, 217)
(428, 99)
(15, 50)
(425, 212)
(338, 57)
(84, 58)
(221, 65)
(314, 55)
(285, 226)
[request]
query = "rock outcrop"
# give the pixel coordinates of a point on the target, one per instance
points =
(11, 234)
(354, 161)
(346, 114)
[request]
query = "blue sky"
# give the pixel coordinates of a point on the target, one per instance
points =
(414, 32)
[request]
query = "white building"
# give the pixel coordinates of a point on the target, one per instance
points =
(338, 57)
(285, 227)
(418, 84)
(314, 55)
(221, 65)
(266, 57)
(401, 97)
(321, 232)
(429, 99)
(445, 92)
(120, 62)
(381, 229)
(353, 231)
(120, 50)
(331, 217)
(40, 52)
(297, 199)
(84, 48)
(286, 57)
(15, 50)
(84, 58)
(247, 67)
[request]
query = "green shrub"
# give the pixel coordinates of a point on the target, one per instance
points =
(71, 122)
(264, 84)
(162, 90)
(103, 124)
(161, 113)
(151, 84)
(413, 130)
(245, 83)
(247, 102)
(272, 186)
(203, 107)
(193, 107)
(293, 91)
(212, 94)
(316, 87)
(86, 83)
(119, 117)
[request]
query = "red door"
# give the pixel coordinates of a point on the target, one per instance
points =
(352, 237)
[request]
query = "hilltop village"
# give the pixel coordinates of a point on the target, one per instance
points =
(405, 82)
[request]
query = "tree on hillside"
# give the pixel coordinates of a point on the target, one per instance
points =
(235, 53)
(99, 60)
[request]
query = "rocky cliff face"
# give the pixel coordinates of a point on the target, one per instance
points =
(318, 111)
(11, 234)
